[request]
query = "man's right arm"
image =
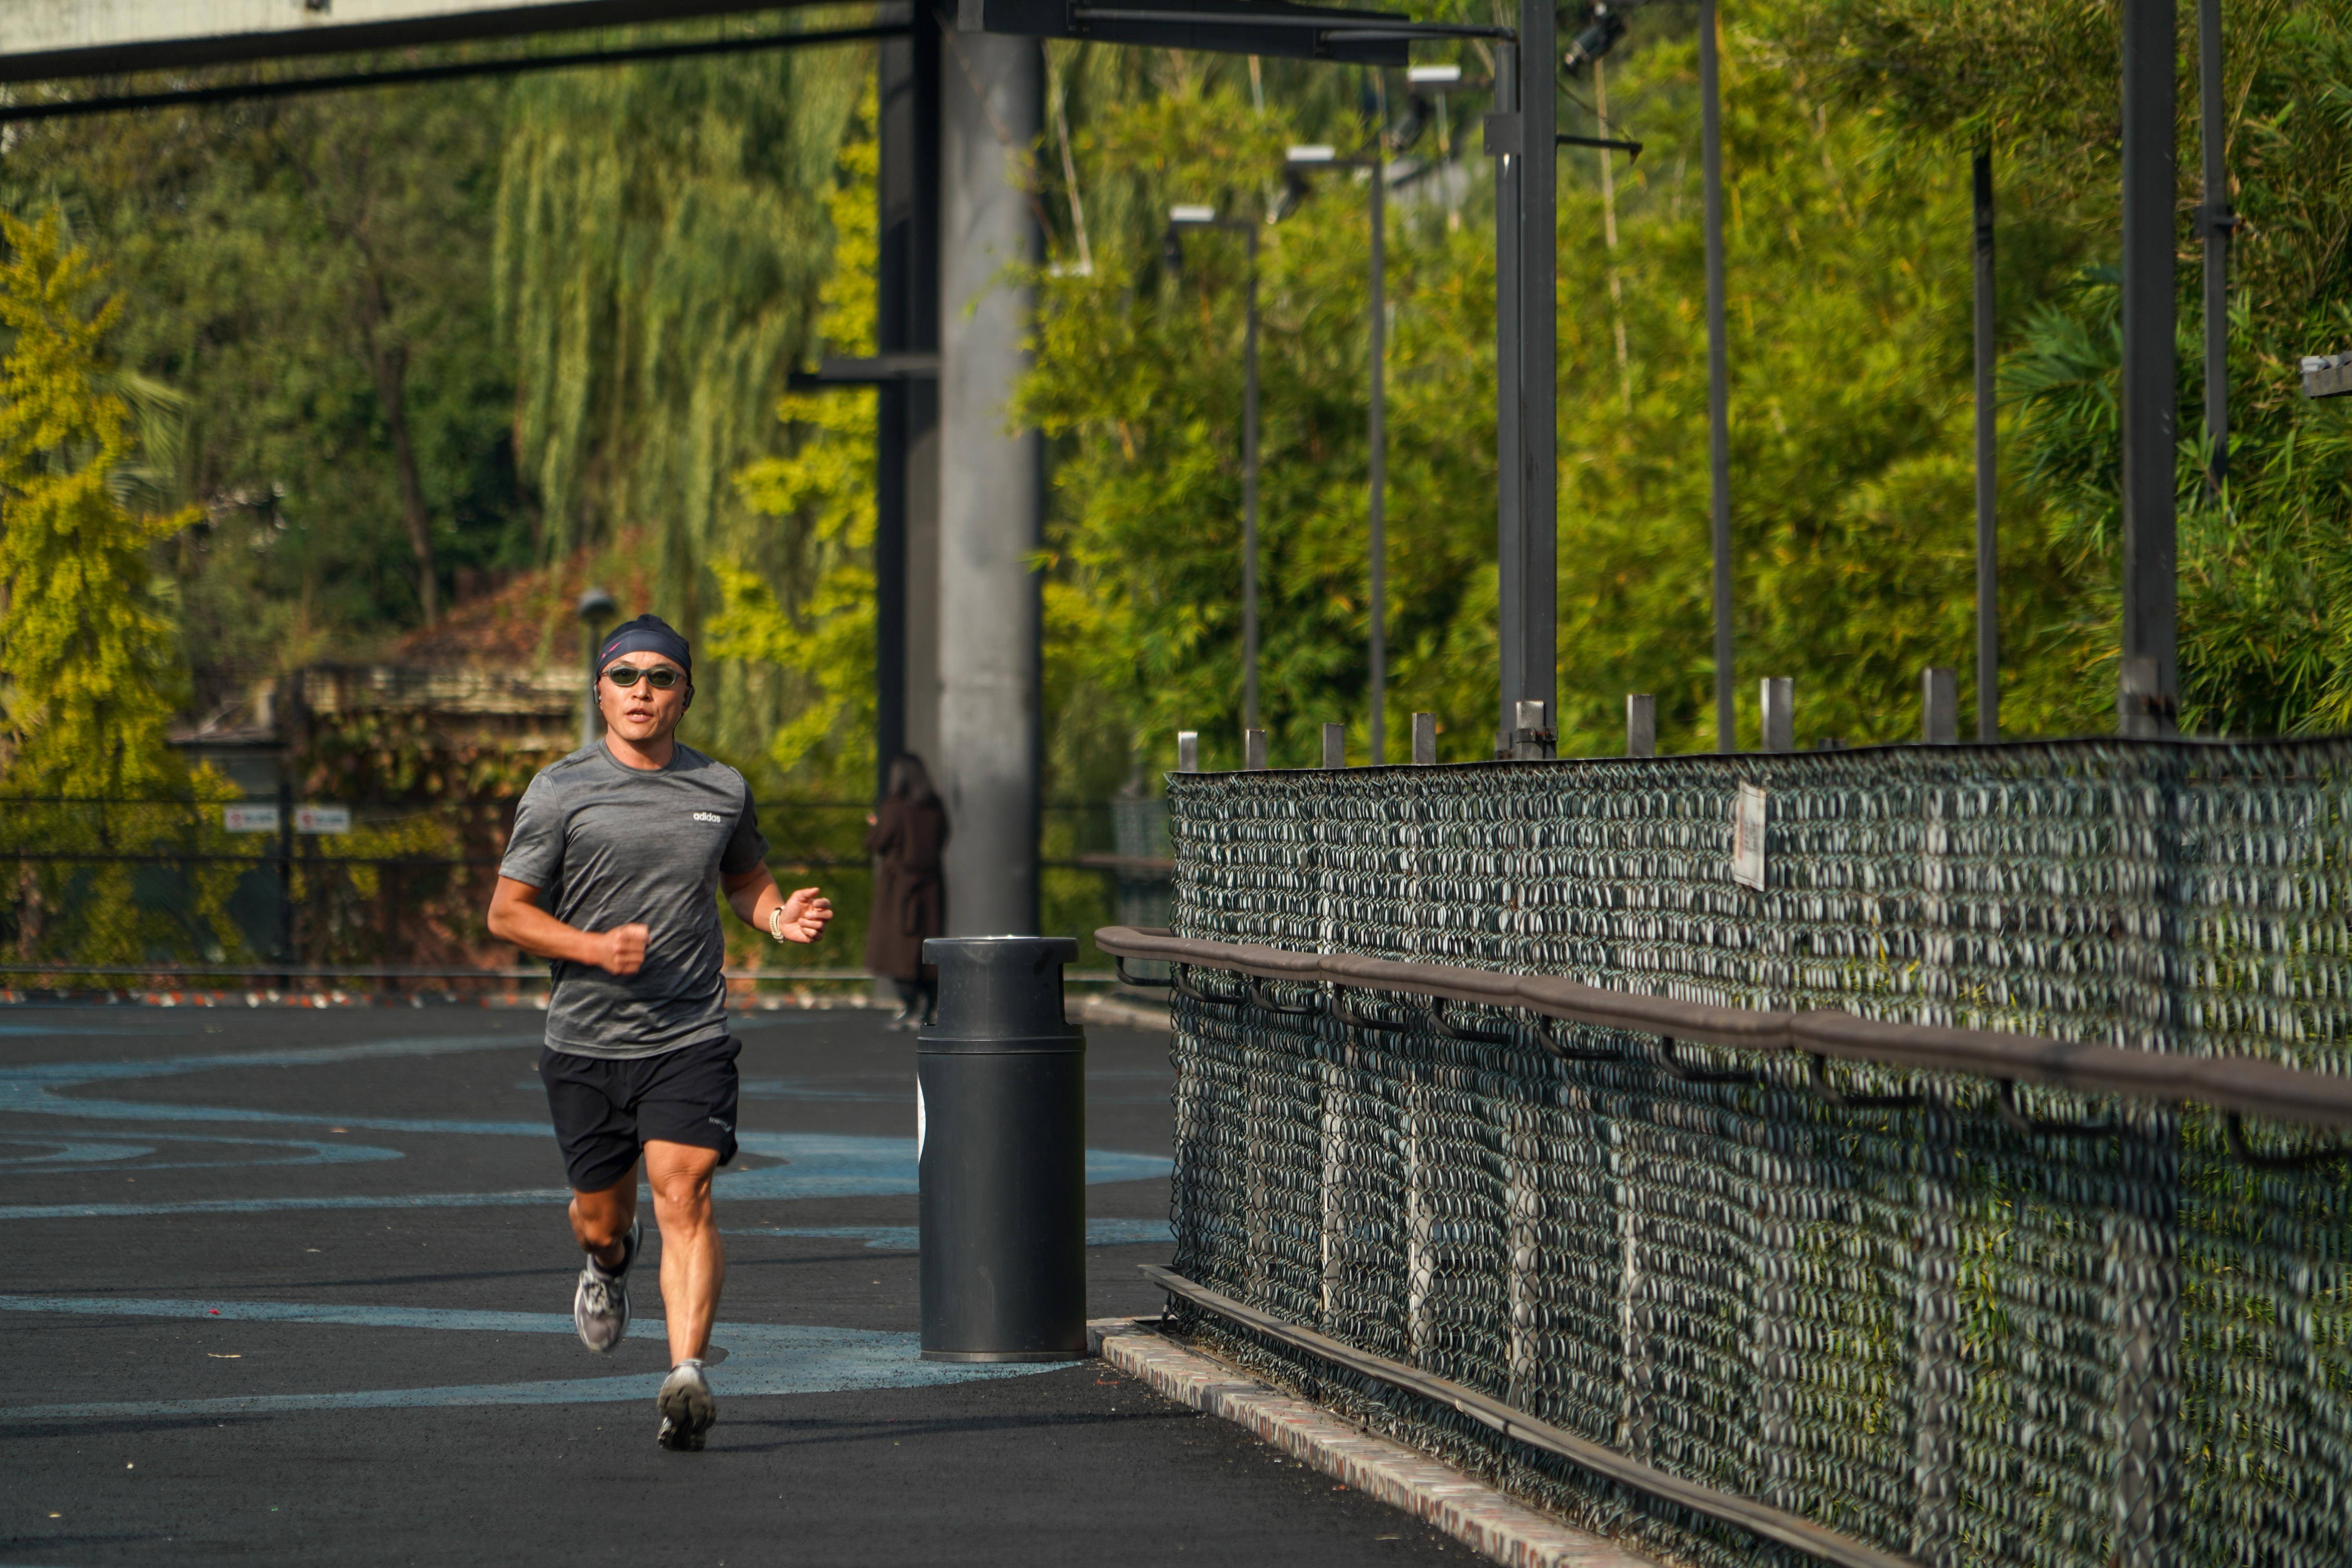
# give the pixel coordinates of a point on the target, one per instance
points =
(516, 917)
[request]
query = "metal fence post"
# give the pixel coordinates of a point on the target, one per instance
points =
(1188, 750)
(2143, 1285)
(1718, 394)
(1935, 1381)
(1335, 745)
(1424, 738)
(1338, 1061)
(1636, 1365)
(1779, 693)
(2214, 219)
(286, 953)
(2149, 398)
(1987, 533)
(1533, 739)
(1254, 750)
(1640, 725)
(1522, 1199)
(1939, 707)
(1419, 1214)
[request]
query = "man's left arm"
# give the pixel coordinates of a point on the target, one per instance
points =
(752, 892)
(759, 904)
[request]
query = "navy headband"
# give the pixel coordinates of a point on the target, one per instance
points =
(646, 634)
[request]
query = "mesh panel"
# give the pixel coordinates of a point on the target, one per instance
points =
(1919, 1327)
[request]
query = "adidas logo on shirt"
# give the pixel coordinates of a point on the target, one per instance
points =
(708, 817)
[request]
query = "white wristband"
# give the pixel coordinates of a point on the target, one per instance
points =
(776, 922)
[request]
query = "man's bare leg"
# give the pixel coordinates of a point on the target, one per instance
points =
(605, 1223)
(601, 1220)
(693, 1262)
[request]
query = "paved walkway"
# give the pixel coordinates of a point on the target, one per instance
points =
(291, 1286)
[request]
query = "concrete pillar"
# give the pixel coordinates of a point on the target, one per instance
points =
(991, 486)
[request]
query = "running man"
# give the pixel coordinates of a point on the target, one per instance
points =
(615, 852)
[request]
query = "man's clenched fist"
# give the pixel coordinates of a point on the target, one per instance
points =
(621, 949)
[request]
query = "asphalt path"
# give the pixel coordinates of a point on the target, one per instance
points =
(295, 1284)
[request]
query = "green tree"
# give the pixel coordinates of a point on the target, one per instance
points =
(661, 239)
(813, 624)
(309, 280)
(88, 664)
(85, 643)
(2265, 561)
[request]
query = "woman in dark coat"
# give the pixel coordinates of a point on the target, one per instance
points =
(907, 831)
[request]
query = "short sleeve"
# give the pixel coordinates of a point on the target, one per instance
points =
(535, 849)
(746, 850)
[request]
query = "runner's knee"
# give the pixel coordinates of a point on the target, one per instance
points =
(683, 1191)
(600, 1220)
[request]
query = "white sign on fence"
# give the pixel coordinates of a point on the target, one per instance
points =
(1747, 837)
(322, 820)
(249, 818)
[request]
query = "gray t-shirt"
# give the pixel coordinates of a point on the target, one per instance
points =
(606, 845)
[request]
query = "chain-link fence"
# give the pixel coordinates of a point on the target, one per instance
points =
(1942, 1320)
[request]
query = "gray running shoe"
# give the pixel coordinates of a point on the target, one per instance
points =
(686, 1408)
(600, 1306)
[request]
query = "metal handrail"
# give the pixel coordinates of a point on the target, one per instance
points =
(2243, 1086)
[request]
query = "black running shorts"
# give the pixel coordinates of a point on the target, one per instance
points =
(606, 1109)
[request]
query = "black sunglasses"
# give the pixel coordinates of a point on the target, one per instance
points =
(661, 678)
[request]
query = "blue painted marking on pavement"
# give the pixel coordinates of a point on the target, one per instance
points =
(287, 1206)
(34, 1090)
(819, 1165)
(761, 1359)
(76, 1156)
(815, 1164)
(908, 1238)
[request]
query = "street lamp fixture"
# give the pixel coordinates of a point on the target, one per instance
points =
(1599, 35)
(1433, 76)
(1194, 215)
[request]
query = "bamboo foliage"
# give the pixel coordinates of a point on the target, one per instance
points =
(812, 623)
(660, 240)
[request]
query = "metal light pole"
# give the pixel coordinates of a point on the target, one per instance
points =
(1521, 135)
(2148, 695)
(1320, 157)
(595, 607)
(1988, 539)
(1179, 219)
(1719, 395)
(2217, 221)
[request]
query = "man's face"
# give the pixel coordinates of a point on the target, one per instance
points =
(639, 712)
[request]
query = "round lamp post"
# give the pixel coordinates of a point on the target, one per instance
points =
(1194, 215)
(1300, 161)
(595, 607)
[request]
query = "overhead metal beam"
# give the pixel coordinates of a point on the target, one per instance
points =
(511, 65)
(42, 39)
(1218, 27)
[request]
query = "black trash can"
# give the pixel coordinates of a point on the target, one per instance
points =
(1001, 1119)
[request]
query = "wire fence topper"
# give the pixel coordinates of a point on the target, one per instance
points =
(1920, 1154)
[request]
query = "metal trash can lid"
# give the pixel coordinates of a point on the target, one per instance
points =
(1001, 988)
